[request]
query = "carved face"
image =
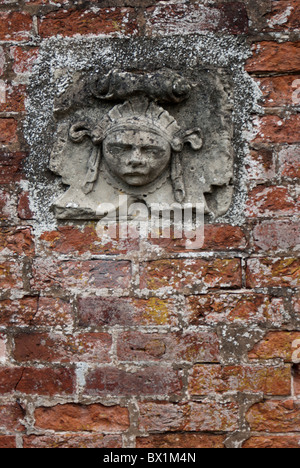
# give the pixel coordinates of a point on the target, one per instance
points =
(137, 157)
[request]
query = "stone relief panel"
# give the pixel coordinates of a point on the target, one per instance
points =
(158, 137)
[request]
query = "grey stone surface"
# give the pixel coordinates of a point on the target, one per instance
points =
(196, 84)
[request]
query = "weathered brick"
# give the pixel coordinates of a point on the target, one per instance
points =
(278, 91)
(37, 312)
(11, 416)
(209, 379)
(123, 311)
(23, 58)
(202, 416)
(270, 442)
(152, 380)
(15, 26)
(181, 440)
(7, 442)
(261, 165)
(276, 236)
(284, 15)
(79, 418)
(216, 237)
(11, 167)
(71, 240)
(11, 275)
(8, 131)
(51, 273)
(268, 201)
(275, 345)
(270, 56)
(14, 99)
(275, 416)
(91, 347)
(196, 18)
(272, 129)
(71, 440)
(191, 275)
(176, 347)
(235, 308)
(17, 241)
(106, 21)
(46, 381)
(24, 210)
(273, 272)
(289, 160)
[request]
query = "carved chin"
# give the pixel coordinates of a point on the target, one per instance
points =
(136, 180)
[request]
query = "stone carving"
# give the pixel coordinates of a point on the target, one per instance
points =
(138, 148)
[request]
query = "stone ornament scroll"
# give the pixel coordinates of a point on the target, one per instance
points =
(147, 136)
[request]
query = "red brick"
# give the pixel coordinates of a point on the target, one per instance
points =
(11, 275)
(31, 311)
(15, 26)
(284, 15)
(270, 56)
(7, 442)
(272, 129)
(8, 131)
(191, 275)
(276, 235)
(153, 380)
(106, 21)
(11, 416)
(268, 201)
(33, 381)
(216, 237)
(202, 416)
(275, 345)
(261, 165)
(181, 440)
(91, 347)
(176, 347)
(79, 418)
(14, 99)
(235, 308)
(24, 58)
(207, 380)
(24, 210)
(296, 379)
(51, 273)
(11, 167)
(71, 440)
(289, 160)
(100, 311)
(273, 272)
(17, 241)
(71, 240)
(278, 91)
(272, 442)
(196, 18)
(275, 416)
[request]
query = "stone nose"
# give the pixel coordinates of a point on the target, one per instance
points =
(136, 158)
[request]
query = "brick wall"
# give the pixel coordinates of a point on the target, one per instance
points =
(178, 349)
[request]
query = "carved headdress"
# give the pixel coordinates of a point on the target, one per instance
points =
(137, 114)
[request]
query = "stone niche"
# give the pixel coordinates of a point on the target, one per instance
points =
(157, 120)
